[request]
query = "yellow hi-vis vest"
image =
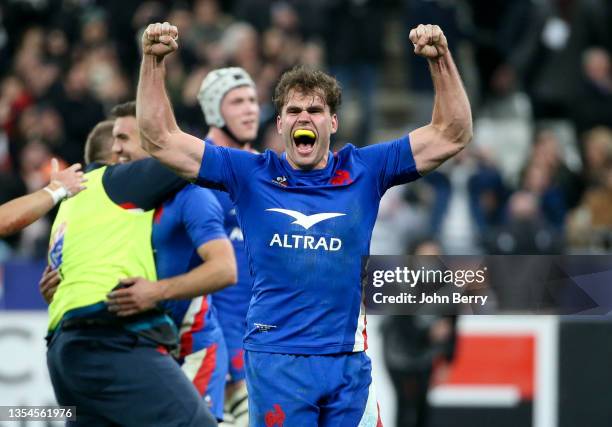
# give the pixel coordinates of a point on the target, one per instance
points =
(95, 243)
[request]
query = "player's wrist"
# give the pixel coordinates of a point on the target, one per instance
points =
(57, 191)
(444, 57)
(152, 59)
(164, 290)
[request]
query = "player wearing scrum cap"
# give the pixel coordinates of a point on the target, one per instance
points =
(307, 218)
(229, 103)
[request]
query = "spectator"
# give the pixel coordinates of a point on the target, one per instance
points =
(525, 232)
(468, 200)
(594, 104)
(415, 345)
(597, 145)
(590, 224)
(547, 176)
(79, 109)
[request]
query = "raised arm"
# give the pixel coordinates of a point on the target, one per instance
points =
(159, 132)
(23, 211)
(450, 129)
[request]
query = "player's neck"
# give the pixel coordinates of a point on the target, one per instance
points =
(321, 165)
(224, 140)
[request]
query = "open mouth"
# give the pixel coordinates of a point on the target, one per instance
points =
(304, 140)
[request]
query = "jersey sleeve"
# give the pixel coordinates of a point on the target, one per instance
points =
(143, 184)
(202, 216)
(392, 162)
(226, 169)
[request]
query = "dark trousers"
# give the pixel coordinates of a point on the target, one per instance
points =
(116, 378)
(411, 391)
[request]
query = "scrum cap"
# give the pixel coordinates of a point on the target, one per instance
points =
(214, 87)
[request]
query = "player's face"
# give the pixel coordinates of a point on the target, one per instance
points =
(307, 112)
(240, 111)
(126, 140)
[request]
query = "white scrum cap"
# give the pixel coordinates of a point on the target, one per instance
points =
(215, 86)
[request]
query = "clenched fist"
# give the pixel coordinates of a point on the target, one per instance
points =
(160, 39)
(429, 41)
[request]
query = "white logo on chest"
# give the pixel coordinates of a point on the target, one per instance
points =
(306, 221)
(296, 241)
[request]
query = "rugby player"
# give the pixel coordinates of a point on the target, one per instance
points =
(193, 256)
(187, 229)
(229, 103)
(307, 218)
(116, 371)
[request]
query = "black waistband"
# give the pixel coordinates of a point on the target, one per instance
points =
(90, 322)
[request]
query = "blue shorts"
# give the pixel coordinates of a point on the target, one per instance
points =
(207, 370)
(236, 364)
(115, 377)
(310, 390)
(233, 333)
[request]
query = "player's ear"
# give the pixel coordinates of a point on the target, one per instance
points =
(278, 124)
(334, 123)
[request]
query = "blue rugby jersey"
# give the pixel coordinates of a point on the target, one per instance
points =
(232, 303)
(181, 225)
(305, 233)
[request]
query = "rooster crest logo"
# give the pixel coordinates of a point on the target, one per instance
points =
(280, 180)
(275, 417)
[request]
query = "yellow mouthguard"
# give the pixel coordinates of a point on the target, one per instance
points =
(303, 132)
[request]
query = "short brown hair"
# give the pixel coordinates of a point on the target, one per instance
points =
(99, 143)
(126, 109)
(308, 81)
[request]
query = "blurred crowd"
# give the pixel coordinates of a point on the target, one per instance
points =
(537, 179)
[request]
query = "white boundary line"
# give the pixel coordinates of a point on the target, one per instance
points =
(502, 396)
